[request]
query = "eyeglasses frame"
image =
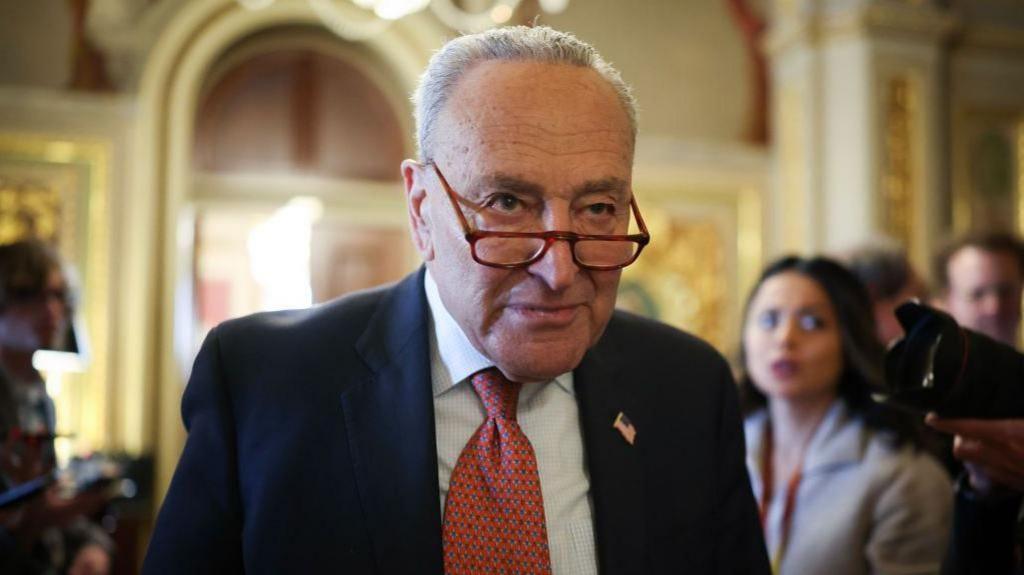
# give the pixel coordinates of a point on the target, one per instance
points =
(550, 237)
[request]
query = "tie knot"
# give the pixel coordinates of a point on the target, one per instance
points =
(499, 395)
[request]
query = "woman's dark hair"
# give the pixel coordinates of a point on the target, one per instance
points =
(863, 354)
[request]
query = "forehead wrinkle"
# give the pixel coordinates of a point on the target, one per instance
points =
(552, 142)
(505, 182)
(613, 185)
(501, 181)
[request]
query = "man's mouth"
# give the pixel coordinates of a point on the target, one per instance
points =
(546, 314)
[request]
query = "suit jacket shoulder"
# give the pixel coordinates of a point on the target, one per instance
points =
(653, 345)
(306, 428)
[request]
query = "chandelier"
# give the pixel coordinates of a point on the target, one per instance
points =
(361, 19)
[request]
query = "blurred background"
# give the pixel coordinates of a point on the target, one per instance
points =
(196, 160)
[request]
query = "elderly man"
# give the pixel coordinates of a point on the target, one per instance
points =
(491, 413)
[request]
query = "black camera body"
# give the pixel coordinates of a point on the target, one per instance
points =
(942, 367)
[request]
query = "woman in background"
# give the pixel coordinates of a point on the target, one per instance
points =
(841, 484)
(48, 534)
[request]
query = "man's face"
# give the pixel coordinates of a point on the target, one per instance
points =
(985, 292)
(35, 321)
(523, 133)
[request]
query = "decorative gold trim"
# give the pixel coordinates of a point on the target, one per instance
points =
(961, 194)
(899, 201)
(705, 254)
(969, 122)
(92, 415)
(1020, 180)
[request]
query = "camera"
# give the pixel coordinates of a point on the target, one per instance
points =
(942, 367)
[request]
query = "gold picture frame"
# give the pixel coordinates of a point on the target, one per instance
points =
(988, 175)
(704, 256)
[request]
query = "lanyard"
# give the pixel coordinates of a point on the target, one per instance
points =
(767, 491)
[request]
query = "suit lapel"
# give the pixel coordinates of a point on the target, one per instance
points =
(390, 424)
(615, 466)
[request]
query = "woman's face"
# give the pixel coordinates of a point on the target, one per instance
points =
(791, 339)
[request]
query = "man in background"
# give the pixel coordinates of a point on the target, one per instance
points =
(980, 278)
(882, 266)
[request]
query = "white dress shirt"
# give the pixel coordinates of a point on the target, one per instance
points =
(547, 414)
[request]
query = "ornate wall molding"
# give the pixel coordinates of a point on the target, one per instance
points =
(815, 25)
(704, 207)
(898, 186)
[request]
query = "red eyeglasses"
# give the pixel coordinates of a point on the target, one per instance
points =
(513, 250)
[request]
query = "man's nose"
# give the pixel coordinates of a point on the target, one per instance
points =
(992, 304)
(556, 268)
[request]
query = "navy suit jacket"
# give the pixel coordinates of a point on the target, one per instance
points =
(311, 448)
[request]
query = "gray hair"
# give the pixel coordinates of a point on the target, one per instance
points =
(513, 43)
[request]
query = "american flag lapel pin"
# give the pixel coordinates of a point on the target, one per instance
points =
(625, 427)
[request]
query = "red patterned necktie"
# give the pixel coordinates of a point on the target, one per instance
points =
(494, 513)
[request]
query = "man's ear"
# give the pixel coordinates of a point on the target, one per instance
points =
(418, 204)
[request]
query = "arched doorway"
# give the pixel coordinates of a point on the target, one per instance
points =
(296, 134)
(159, 244)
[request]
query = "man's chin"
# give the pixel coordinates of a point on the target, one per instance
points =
(537, 367)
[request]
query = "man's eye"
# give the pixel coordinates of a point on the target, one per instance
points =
(505, 203)
(600, 209)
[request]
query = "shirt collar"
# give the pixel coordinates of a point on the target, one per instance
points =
(838, 440)
(454, 358)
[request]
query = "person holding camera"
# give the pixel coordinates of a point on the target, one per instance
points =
(843, 485)
(980, 278)
(985, 537)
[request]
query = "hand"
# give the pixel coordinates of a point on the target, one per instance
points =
(992, 449)
(90, 560)
(53, 509)
(10, 519)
